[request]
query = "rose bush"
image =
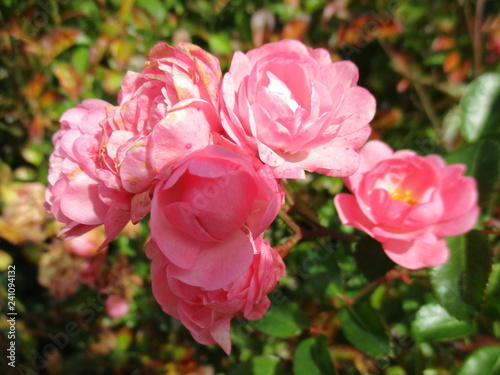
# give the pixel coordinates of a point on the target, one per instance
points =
(409, 203)
(296, 110)
(208, 313)
(207, 213)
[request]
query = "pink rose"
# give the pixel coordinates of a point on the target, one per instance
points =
(163, 113)
(171, 78)
(208, 211)
(409, 203)
(74, 192)
(117, 306)
(186, 72)
(296, 110)
(207, 313)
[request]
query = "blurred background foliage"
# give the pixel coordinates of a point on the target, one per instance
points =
(434, 67)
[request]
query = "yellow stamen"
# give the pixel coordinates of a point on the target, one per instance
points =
(407, 197)
(73, 174)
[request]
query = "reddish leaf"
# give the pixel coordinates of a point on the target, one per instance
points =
(48, 99)
(98, 49)
(37, 127)
(388, 30)
(403, 84)
(296, 28)
(443, 43)
(452, 61)
(35, 86)
(387, 118)
(68, 78)
(55, 42)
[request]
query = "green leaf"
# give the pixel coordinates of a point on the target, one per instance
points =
(312, 357)
(371, 259)
(483, 163)
(433, 323)
(480, 107)
(154, 7)
(261, 365)
(492, 307)
(319, 267)
(219, 43)
(459, 284)
(484, 361)
(80, 59)
(282, 320)
(364, 329)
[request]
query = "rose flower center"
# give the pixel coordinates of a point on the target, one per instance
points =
(407, 197)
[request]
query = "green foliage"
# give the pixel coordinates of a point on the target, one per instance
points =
(260, 365)
(481, 107)
(483, 163)
(371, 259)
(312, 357)
(484, 361)
(460, 283)
(284, 319)
(492, 308)
(364, 329)
(434, 323)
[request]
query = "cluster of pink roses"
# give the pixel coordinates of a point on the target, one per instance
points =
(203, 153)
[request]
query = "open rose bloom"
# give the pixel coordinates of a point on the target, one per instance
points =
(409, 203)
(295, 109)
(207, 214)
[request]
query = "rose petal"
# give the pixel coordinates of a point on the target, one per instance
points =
(417, 254)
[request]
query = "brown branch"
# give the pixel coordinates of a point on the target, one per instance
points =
(392, 274)
(323, 232)
(476, 41)
(284, 248)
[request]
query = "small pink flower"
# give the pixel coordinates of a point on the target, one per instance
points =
(208, 313)
(409, 203)
(296, 110)
(208, 211)
(117, 306)
(74, 192)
